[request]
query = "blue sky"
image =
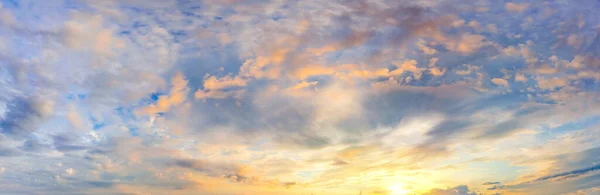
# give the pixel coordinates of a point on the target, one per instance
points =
(334, 97)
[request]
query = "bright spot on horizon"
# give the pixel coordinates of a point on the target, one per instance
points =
(398, 189)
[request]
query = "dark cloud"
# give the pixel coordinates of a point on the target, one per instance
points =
(570, 174)
(98, 184)
(496, 187)
(210, 168)
(67, 143)
(491, 183)
(24, 116)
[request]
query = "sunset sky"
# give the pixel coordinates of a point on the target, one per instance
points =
(300, 97)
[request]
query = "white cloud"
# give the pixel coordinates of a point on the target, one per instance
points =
(70, 171)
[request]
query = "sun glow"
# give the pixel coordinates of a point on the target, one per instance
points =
(398, 189)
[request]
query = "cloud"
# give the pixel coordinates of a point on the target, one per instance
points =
(569, 174)
(213, 169)
(322, 97)
(516, 7)
(88, 32)
(551, 84)
(500, 82)
(24, 116)
(496, 187)
(520, 78)
(458, 190)
(75, 119)
(9, 152)
(491, 183)
(177, 95)
(70, 171)
(466, 43)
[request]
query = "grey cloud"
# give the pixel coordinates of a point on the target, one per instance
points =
(210, 168)
(34, 145)
(448, 127)
(24, 116)
(583, 174)
(570, 174)
(67, 143)
(100, 184)
(491, 183)
(306, 140)
(9, 152)
(502, 129)
(496, 187)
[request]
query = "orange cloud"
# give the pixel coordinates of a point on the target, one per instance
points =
(550, 84)
(465, 44)
(500, 82)
(516, 7)
(176, 96)
(314, 70)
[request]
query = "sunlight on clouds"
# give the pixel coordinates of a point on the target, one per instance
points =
(177, 95)
(387, 97)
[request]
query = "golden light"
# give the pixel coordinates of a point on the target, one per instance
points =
(398, 189)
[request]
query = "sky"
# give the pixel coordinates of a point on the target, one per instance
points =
(299, 97)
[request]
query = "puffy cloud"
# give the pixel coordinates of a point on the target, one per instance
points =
(516, 7)
(220, 88)
(177, 95)
(551, 84)
(70, 171)
(500, 82)
(466, 44)
(88, 32)
(520, 77)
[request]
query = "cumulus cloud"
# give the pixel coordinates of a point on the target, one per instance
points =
(466, 43)
(500, 82)
(176, 96)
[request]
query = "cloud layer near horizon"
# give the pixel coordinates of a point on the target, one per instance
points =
(299, 97)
